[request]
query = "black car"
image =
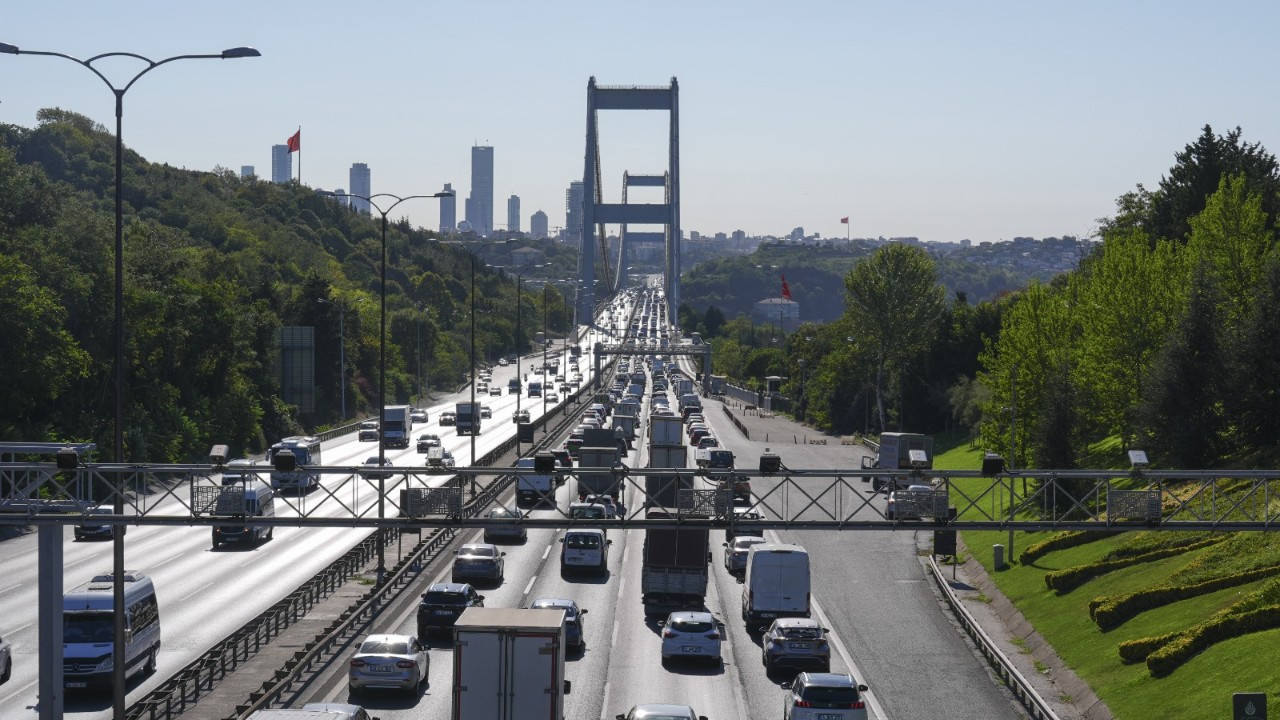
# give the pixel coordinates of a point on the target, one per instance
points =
(89, 529)
(441, 605)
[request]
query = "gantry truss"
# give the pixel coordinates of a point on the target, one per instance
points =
(809, 499)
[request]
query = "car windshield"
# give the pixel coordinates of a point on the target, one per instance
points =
(438, 597)
(582, 542)
(801, 633)
(829, 695)
(478, 552)
(744, 545)
(693, 626)
(590, 512)
(384, 647)
(86, 627)
(501, 513)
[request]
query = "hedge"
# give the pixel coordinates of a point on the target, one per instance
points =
(1060, 541)
(1112, 612)
(1179, 650)
(1133, 651)
(1068, 579)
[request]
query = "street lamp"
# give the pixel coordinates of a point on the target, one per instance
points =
(118, 657)
(382, 356)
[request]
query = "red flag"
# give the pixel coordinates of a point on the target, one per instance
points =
(786, 289)
(844, 221)
(295, 141)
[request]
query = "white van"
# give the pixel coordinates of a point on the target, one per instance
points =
(87, 629)
(533, 489)
(252, 501)
(776, 584)
(584, 550)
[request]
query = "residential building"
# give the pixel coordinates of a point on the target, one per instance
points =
(448, 210)
(513, 214)
(480, 203)
(538, 225)
(281, 164)
(360, 185)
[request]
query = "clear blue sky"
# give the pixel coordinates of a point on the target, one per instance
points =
(939, 119)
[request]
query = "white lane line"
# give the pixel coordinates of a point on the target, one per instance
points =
(11, 587)
(613, 639)
(197, 591)
(19, 691)
(545, 552)
(529, 587)
(162, 563)
(15, 631)
(839, 645)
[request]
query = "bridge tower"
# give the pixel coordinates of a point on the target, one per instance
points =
(596, 213)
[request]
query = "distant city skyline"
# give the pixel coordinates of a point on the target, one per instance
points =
(933, 119)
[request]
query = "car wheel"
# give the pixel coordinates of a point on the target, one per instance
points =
(150, 667)
(8, 670)
(271, 532)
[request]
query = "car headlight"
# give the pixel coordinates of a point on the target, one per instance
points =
(105, 665)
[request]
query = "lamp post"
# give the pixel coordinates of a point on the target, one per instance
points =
(118, 657)
(382, 357)
(342, 352)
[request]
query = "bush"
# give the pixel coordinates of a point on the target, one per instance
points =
(1176, 652)
(1068, 579)
(1135, 651)
(1112, 612)
(1060, 541)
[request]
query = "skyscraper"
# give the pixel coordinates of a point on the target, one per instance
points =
(538, 225)
(513, 214)
(360, 186)
(281, 164)
(448, 210)
(246, 171)
(573, 199)
(480, 203)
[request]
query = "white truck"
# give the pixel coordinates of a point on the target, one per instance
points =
(508, 664)
(397, 425)
(776, 584)
(533, 489)
(895, 454)
(665, 430)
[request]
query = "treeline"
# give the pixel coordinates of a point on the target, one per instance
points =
(214, 266)
(1164, 338)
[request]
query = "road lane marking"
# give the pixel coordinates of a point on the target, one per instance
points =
(11, 587)
(162, 563)
(19, 691)
(197, 591)
(546, 551)
(529, 587)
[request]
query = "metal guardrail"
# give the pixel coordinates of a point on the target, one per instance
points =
(1022, 690)
(737, 423)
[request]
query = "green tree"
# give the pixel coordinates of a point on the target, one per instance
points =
(1231, 236)
(894, 302)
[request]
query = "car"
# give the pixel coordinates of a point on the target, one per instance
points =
(339, 711)
(742, 515)
(426, 441)
(611, 508)
(559, 378)
(708, 441)
(566, 388)
(448, 417)
(588, 511)
(442, 603)
(503, 362)
(691, 634)
(552, 396)
(486, 413)
(574, 636)
(513, 386)
(478, 561)
(495, 390)
(418, 415)
(510, 531)
(446, 458)
(698, 433)
(520, 417)
(368, 431)
(369, 469)
(90, 529)
(6, 661)
(898, 508)
(563, 459)
(388, 661)
(795, 643)
(830, 696)
(735, 552)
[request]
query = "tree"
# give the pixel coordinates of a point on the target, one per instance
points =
(1253, 396)
(894, 302)
(713, 321)
(1230, 235)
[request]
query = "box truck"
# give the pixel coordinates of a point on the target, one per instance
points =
(895, 454)
(675, 569)
(397, 425)
(663, 490)
(508, 664)
(468, 418)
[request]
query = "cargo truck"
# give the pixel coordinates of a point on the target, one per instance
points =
(676, 565)
(599, 482)
(713, 458)
(397, 425)
(895, 454)
(663, 490)
(625, 423)
(684, 386)
(468, 418)
(689, 403)
(508, 664)
(665, 430)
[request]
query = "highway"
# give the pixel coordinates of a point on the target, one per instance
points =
(206, 594)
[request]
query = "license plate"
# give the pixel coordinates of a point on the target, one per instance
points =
(828, 716)
(77, 685)
(802, 646)
(690, 648)
(381, 669)
(444, 612)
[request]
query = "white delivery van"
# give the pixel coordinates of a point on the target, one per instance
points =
(87, 629)
(584, 550)
(533, 489)
(246, 502)
(776, 584)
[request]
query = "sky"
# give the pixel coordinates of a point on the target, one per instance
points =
(937, 119)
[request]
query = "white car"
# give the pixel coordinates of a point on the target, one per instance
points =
(660, 712)
(824, 696)
(687, 634)
(6, 661)
(388, 661)
(486, 413)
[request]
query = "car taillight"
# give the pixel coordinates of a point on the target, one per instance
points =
(803, 703)
(713, 636)
(856, 705)
(668, 633)
(357, 663)
(406, 664)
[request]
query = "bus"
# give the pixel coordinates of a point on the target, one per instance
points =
(87, 629)
(306, 455)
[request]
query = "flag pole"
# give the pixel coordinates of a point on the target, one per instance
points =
(299, 154)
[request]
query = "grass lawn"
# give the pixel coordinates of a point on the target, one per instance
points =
(1199, 689)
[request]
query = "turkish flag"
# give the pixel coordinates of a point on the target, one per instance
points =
(844, 221)
(295, 141)
(786, 289)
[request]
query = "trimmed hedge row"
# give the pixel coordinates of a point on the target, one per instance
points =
(1060, 541)
(1179, 650)
(1113, 611)
(1135, 651)
(1068, 579)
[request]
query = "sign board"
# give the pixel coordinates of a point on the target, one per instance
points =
(944, 543)
(524, 432)
(1249, 706)
(419, 502)
(1133, 504)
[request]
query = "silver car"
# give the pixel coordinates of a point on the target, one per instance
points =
(735, 553)
(796, 643)
(824, 696)
(388, 661)
(480, 561)
(688, 634)
(660, 712)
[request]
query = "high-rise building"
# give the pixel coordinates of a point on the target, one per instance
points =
(538, 225)
(513, 214)
(480, 203)
(246, 172)
(573, 199)
(360, 186)
(281, 164)
(448, 210)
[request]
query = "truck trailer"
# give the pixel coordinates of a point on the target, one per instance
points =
(397, 425)
(675, 570)
(508, 664)
(468, 418)
(895, 454)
